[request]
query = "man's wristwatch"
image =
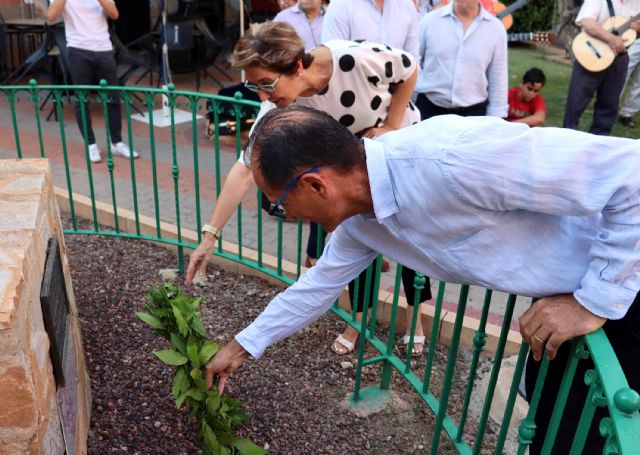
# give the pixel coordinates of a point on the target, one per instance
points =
(212, 230)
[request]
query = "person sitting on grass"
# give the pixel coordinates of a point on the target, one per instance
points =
(525, 103)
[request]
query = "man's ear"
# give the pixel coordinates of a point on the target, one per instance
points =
(316, 183)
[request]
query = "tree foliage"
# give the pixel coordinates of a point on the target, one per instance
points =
(537, 16)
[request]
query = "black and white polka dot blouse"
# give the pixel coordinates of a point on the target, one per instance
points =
(364, 76)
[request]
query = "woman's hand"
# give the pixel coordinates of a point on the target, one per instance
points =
(373, 133)
(198, 259)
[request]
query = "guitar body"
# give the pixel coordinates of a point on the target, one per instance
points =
(507, 20)
(596, 55)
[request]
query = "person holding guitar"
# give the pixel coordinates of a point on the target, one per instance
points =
(605, 83)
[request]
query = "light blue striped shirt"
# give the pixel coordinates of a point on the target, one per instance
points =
(459, 68)
(478, 200)
(309, 31)
(396, 25)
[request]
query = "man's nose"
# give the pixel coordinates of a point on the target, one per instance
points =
(263, 96)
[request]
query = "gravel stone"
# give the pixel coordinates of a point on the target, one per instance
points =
(293, 393)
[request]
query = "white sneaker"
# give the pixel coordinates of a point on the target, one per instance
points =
(94, 153)
(123, 149)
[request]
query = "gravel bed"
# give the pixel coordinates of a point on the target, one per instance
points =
(294, 393)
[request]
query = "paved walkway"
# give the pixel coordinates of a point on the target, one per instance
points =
(204, 151)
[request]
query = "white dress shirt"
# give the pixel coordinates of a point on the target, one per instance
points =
(309, 31)
(482, 201)
(598, 9)
(463, 68)
(396, 25)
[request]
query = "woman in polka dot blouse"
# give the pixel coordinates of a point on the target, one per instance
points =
(365, 86)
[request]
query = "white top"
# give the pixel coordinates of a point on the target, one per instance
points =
(598, 9)
(462, 68)
(396, 25)
(85, 25)
(359, 92)
(482, 201)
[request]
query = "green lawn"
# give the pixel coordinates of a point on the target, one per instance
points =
(555, 91)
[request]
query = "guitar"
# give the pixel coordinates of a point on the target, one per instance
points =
(596, 55)
(538, 37)
(503, 12)
(498, 9)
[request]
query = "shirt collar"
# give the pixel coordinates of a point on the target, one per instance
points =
(448, 11)
(296, 9)
(384, 201)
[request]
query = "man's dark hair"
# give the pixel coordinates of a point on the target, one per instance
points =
(533, 76)
(289, 141)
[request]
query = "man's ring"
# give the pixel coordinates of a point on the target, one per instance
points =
(538, 340)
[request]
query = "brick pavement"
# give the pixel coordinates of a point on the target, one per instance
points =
(186, 187)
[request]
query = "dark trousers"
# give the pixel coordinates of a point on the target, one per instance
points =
(88, 68)
(429, 109)
(408, 275)
(606, 85)
(624, 335)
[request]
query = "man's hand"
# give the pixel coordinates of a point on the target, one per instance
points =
(635, 25)
(616, 43)
(198, 259)
(554, 320)
(226, 361)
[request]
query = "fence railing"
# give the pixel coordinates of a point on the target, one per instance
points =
(179, 177)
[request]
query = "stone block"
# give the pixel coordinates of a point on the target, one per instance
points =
(29, 421)
(17, 403)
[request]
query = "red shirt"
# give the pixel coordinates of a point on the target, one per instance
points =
(519, 109)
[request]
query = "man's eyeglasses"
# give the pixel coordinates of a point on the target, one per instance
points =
(267, 88)
(290, 186)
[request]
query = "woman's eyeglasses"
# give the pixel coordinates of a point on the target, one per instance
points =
(267, 88)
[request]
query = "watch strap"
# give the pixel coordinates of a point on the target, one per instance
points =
(212, 230)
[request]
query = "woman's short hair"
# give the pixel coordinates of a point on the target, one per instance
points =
(272, 45)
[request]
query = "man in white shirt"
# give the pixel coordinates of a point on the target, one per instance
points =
(390, 22)
(607, 84)
(306, 18)
(475, 200)
(463, 51)
(90, 60)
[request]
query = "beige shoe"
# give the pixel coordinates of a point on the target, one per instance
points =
(418, 344)
(342, 346)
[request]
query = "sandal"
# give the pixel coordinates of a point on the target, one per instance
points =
(342, 346)
(417, 340)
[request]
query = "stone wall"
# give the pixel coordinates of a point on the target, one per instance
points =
(29, 412)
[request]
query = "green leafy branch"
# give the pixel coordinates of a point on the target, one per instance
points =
(174, 316)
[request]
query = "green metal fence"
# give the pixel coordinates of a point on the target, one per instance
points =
(181, 170)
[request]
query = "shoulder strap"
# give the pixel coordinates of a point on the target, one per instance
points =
(610, 6)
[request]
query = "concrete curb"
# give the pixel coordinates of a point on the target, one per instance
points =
(126, 221)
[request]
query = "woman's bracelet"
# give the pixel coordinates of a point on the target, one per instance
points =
(212, 230)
